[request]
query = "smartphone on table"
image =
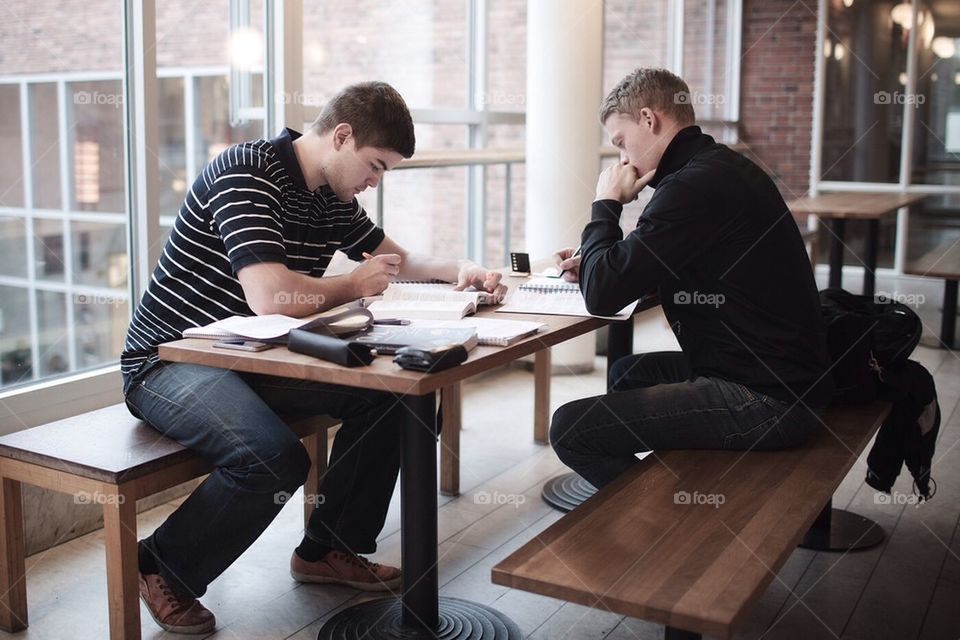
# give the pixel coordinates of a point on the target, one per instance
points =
(241, 345)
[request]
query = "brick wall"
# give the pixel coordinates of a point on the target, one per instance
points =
(776, 90)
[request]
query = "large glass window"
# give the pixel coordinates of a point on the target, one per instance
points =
(419, 47)
(866, 62)
(870, 96)
(195, 48)
(936, 146)
(63, 203)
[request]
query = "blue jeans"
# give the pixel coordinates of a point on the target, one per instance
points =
(233, 420)
(653, 405)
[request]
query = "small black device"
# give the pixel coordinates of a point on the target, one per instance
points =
(241, 345)
(520, 262)
(430, 360)
(342, 352)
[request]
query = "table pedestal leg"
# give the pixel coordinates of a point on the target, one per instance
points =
(870, 259)
(948, 320)
(420, 612)
(838, 226)
(839, 530)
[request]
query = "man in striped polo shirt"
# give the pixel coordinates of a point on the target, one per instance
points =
(253, 236)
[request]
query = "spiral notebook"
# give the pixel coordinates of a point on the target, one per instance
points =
(553, 297)
(550, 285)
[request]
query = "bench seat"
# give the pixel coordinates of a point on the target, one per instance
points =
(690, 539)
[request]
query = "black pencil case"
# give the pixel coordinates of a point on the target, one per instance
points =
(342, 352)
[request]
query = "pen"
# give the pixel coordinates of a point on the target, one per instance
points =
(575, 254)
(392, 321)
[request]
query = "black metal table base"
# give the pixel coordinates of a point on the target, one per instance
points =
(383, 620)
(871, 242)
(843, 531)
(420, 613)
(566, 492)
(948, 320)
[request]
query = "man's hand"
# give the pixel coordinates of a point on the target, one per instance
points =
(476, 276)
(620, 182)
(374, 273)
(568, 263)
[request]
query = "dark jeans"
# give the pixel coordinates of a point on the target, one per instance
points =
(654, 405)
(231, 419)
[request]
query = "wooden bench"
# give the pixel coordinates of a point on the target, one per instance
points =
(690, 539)
(106, 457)
(942, 262)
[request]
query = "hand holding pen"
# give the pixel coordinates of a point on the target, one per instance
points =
(568, 261)
(374, 274)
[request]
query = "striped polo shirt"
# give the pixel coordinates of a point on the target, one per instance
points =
(250, 204)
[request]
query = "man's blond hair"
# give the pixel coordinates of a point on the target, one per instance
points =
(656, 89)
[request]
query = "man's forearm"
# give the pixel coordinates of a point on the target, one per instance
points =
(295, 294)
(416, 267)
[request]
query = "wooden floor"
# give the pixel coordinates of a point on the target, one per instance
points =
(907, 588)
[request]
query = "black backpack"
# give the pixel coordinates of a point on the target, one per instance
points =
(865, 336)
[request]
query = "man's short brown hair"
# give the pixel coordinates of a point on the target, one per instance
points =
(656, 89)
(377, 113)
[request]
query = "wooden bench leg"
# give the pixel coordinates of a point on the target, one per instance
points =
(541, 396)
(13, 584)
(450, 440)
(123, 591)
(316, 446)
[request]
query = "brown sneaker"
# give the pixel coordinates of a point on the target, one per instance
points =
(340, 567)
(173, 611)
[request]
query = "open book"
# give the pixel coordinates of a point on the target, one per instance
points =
(275, 327)
(431, 301)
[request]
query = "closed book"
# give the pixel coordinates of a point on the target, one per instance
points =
(422, 309)
(490, 331)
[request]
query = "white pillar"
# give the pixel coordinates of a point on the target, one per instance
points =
(564, 78)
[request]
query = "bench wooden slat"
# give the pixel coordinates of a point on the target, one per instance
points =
(108, 445)
(633, 550)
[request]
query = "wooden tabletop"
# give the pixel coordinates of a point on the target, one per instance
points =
(382, 374)
(942, 262)
(849, 205)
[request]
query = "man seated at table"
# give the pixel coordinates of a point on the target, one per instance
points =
(253, 236)
(719, 246)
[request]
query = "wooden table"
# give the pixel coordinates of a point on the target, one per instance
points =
(842, 206)
(420, 612)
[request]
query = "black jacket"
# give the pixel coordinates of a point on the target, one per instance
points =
(909, 434)
(718, 243)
